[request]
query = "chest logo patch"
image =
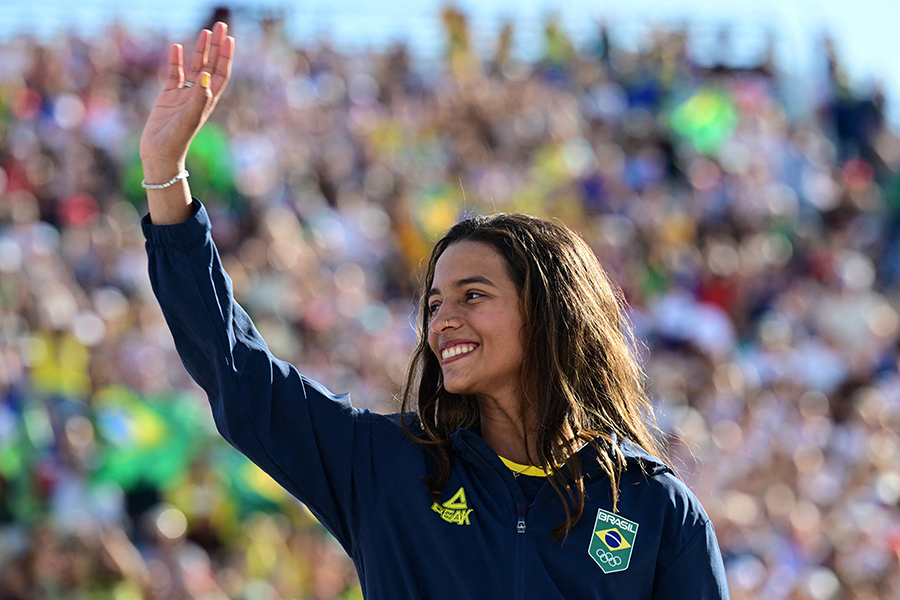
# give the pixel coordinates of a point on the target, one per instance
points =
(455, 510)
(612, 541)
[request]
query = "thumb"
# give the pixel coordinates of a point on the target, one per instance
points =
(202, 95)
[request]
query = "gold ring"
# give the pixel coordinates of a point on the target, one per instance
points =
(447, 324)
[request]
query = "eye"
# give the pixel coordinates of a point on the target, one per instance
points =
(474, 295)
(433, 307)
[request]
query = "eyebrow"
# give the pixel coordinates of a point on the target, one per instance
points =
(462, 282)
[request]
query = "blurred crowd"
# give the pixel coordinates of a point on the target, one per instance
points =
(759, 253)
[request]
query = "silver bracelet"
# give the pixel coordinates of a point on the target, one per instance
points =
(161, 186)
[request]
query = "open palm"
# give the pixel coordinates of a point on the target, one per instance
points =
(180, 110)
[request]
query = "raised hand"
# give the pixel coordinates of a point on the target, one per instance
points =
(180, 111)
(185, 103)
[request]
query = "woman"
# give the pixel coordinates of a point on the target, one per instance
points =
(524, 466)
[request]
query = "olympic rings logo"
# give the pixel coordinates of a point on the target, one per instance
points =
(608, 558)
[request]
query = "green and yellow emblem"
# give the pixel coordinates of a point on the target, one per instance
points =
(455, 510)
(612, 541)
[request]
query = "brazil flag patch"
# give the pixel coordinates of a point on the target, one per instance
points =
(612, 541)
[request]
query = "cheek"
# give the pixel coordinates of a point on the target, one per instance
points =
(514, 339)
(432, 341)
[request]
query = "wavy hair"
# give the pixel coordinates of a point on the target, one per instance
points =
(581, 382)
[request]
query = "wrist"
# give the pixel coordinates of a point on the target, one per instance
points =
(159, 171)
(162, 186)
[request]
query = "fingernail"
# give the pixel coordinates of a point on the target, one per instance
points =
(205, 79)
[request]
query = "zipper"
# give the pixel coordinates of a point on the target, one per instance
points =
(519, 589)
(520, 512)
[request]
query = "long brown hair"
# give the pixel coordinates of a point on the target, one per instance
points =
(579, 378)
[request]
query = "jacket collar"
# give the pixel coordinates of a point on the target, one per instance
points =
(469, 445)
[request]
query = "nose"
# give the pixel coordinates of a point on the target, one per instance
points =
(440, 324)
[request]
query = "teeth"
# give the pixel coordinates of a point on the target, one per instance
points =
(456, 351)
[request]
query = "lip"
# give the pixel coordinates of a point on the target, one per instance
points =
(452, 344)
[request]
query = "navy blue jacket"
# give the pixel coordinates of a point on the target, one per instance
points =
(362, 477)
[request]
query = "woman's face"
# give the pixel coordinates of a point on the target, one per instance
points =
(476, 322)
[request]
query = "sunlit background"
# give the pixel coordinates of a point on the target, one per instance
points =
(863, 31)
(735, 166)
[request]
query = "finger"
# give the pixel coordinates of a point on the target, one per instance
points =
(201, 53)
(176, 70)
(218, 35)
(221, 71)
(201, 99)
(203, 90)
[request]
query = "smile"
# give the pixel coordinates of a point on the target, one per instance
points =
(454, 351)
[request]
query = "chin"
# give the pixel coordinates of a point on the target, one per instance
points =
(457, 388)
(453, 389)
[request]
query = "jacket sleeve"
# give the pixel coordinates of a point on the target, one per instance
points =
(326, 453)
(697, 571)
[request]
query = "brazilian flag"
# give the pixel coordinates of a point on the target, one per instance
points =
(147, 440)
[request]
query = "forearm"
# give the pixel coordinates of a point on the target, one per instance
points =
(172, 204)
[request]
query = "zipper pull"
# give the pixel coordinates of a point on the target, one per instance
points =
(520, 511)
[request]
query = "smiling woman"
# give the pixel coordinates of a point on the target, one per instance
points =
(524, 462)
(547, 367)
(475, 329)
